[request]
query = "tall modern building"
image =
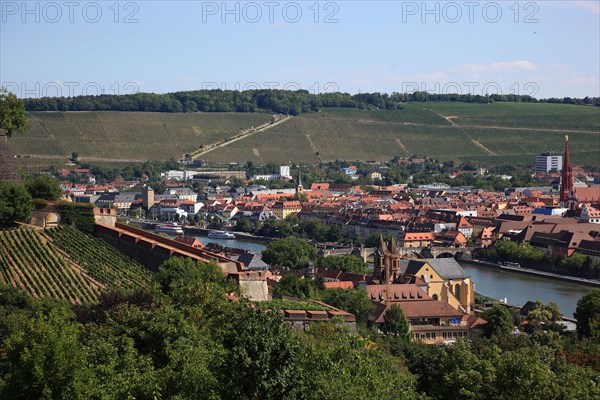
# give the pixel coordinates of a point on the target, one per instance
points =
(284, 172)
(547, 161)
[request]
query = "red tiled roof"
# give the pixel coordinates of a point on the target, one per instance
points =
(339, 285)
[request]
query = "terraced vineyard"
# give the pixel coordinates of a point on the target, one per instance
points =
(125, 135)
(28, 262)
(101, 261)
(64, 263)
(498, 133)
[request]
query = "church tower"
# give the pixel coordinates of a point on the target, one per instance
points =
(379, 262)
(299, 187)
(147, 197)
(386, 261)
(566, 185)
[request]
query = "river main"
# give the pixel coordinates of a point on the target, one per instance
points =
(519, 288)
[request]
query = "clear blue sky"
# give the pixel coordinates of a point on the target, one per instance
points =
(542, 48)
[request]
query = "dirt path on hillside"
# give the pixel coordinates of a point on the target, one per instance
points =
(458, 126)
(242, 135)
(402, 147)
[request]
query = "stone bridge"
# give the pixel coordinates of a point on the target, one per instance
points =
(407, 252)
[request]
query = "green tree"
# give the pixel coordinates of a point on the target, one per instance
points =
(354, 301)
(243, 225)
(12, 113)
(15, 203)
(464, 374)
(182, 271)
(525, 373)
(499, 321)
(262, 355)
(292, 285)
(575, 262)
(346, 263)
(395, 323)
(42, 359)
(587, 314)
(340, 367)
(44, 187)
(290, 252)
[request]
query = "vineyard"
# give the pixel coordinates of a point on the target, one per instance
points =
(101, 261)
(499, 133)
(28, 262)
(53, 136)
(64, 263)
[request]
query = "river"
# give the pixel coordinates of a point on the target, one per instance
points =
(519, 288)
(255, 246)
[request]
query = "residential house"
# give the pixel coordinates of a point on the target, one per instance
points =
(282, 209)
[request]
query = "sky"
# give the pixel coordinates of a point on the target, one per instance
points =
(69, 48)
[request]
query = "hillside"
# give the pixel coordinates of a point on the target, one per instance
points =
(112, 135)
(497, 133)
(63, 263)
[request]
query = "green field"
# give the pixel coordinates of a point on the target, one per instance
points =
(127, 135)
(498, 133)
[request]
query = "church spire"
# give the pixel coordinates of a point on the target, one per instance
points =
(566, 185)
(299, 187)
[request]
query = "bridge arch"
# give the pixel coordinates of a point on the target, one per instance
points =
(445, 254)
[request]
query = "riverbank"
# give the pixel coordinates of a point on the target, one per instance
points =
(194, 230)
(529, 271)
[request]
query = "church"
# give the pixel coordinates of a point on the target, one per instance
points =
(442, 279)
(572, 198)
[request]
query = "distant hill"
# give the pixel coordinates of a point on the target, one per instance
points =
(63, 263)
(135, 136)
(496, 133)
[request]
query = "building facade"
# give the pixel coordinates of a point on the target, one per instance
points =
(548, 161)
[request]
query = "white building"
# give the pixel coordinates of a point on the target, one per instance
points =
(284, 172)
(178, 175)
(547, 161)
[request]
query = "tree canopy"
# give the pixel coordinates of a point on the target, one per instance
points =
(44, 187)
(499, 321)
(291, 252)
(587, 314)
(12, 113)
(15, 203)
(292, 102)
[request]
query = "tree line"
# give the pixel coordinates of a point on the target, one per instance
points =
(267, 100)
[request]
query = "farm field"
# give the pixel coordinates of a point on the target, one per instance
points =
(63, 263)
(126, 135)
(498, 133)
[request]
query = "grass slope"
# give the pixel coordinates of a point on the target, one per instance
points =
(498, 133)
(127, 135)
